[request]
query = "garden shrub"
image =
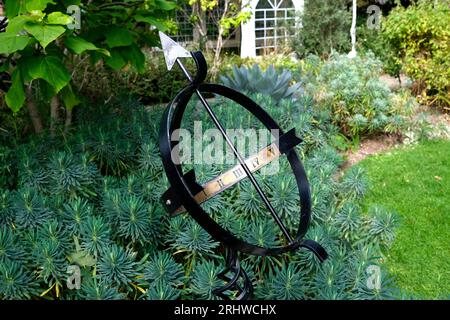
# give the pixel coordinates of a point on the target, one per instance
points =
(420, 35)
(329, 32)
(91, 199)
(373, 40)
(153, 85)
(359, 102)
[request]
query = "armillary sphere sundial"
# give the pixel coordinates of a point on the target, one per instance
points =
(186, 194)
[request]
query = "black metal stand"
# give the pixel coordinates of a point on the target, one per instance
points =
(233, 267)
(184, 187)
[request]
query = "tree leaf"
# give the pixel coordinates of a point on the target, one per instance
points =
(15, 97)
(48, 68)
(165, 5)
(116, 61)
(158, 23)
(78, 45)
(46, 90)
(45, 34)
(59, 18)
(14, 7)
(37, 4)
(17, 24)
(69, 98)
(10, 43)
(118, 37)
(134, 55)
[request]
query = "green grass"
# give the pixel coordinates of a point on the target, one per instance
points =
(415, 182)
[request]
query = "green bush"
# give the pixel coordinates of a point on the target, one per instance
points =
(420, 34)
(373, 40)
(359, 102)
(92, 200)
(325, 27)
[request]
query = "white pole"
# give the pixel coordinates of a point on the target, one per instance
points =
(353, 53)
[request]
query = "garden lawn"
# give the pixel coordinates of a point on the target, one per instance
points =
(415, 181)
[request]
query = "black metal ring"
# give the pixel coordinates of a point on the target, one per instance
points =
(171, 121)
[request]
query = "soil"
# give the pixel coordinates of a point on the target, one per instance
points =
(382, 143)
(394, 84)
(369, 147)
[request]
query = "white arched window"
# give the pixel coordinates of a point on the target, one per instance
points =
(273, 21)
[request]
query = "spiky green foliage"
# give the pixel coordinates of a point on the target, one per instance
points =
(162, 268)
(16, 283)
(93, 290)
(286, 283)
(75, 213)
(93, 200)
(382, 224)
(193, 239)
(117, 266)
(249, 201)
(354, 184)
(358, 101)
(10, 247)
(55, 233)
(95, 235)
(162, 291)
(134, 222)
(205, 281)
(6, 211)
(284, 197)
(69, 177)
(30, 209)
(268, 82)
(348, 222)
(148, 158)
(32, 175)
(51, 262)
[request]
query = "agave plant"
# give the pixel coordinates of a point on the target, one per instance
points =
(270, 83)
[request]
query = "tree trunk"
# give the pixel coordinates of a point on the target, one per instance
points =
(218, 50)
(200, 28)
(68, 122)
(34, 112)
(54, 114)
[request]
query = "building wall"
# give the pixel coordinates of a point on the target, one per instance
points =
(248, 36)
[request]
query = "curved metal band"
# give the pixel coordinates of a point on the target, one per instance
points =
(171, 121)
(202, 67)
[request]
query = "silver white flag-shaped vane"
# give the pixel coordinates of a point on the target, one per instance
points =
(172, 50)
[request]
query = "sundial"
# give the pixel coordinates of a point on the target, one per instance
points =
(186, 195)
